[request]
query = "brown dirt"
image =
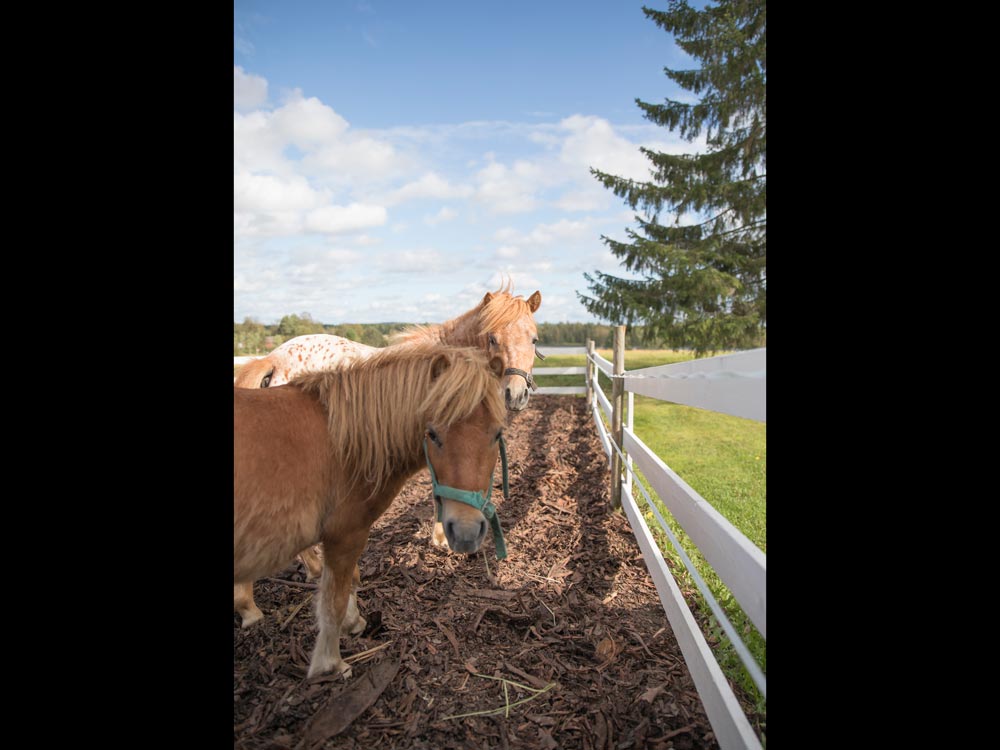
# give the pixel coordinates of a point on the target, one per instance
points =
(572, 609)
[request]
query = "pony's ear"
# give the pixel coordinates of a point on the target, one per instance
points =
(439, 365)
(496, 364)
(535, 301)
(486, 299)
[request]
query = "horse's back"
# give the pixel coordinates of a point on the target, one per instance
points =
(281, 476)
(313, 352)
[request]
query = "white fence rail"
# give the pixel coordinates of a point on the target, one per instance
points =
(732, 384)
(560, 390)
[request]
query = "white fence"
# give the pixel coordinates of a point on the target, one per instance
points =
(567, 390)
(732, 384)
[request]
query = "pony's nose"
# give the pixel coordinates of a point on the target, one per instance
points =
(465, 537)
(518, 402)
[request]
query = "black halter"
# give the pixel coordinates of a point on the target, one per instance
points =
(526, 375)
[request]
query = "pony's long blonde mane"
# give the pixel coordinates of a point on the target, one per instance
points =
(379, 407)
(471, 328)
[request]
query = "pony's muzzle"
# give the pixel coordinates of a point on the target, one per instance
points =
(465, 536)
(516, 396)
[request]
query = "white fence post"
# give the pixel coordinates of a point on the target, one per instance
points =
(617, 406)
(591, 374)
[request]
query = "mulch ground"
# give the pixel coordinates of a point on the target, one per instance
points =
(569, 627)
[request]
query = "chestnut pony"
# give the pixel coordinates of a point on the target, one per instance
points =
(321, 458)
(501, 324)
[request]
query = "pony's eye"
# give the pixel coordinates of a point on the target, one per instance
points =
(266, 381)
(433, 436)
(493, 340)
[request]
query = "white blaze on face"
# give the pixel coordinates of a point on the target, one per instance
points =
(516, 344)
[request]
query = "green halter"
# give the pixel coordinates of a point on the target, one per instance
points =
(476, 499)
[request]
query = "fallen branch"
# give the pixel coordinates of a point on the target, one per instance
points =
(555, 507)
(530, 678)
(292, 583)
(501, 595)
(676, 732)
(295, 611)
(338, 713)
(366, 655)
(642, 643)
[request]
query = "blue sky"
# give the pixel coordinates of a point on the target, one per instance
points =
(393, 161)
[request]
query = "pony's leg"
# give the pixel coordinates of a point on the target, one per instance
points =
(310, 557)
(337, 605)
(244, 604)
(353, 622)
(438, 539)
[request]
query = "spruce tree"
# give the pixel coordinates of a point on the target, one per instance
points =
(702, 285)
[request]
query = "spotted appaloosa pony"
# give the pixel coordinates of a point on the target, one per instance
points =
(500, 324)
(321, 458)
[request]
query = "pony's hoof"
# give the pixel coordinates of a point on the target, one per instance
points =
(251, 618)
(358, 627)
(322, 666)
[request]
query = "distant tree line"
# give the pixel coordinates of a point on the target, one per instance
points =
(253, 338)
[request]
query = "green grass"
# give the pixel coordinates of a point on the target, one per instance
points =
(724, 459)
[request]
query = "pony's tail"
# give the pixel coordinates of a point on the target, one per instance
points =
(252, 374)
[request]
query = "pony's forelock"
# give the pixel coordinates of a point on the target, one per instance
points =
(502, 310)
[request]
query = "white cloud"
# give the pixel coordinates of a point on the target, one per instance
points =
(266, 194)
(586, 199)
(242, 284)
(561, 231)
(522, 283)
(249, 91)
(508, 190)
(346, 257)
(354, 159)
(257, 147)
(445, 214)
(307, 122)
(593, 142)
(430, 185)
(508, 251)
(340, 219)
(307, 137)
(413, 261)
